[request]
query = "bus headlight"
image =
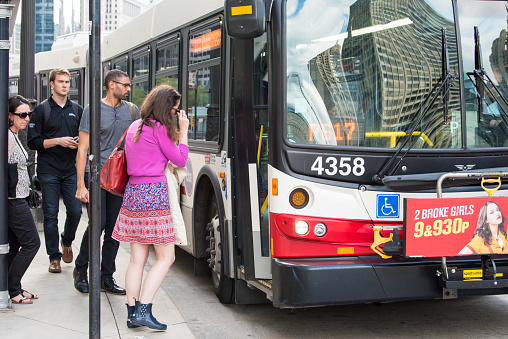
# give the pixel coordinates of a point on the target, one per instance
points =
(301, 227)
(320, 229)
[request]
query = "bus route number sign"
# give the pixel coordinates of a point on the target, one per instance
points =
(344, 166)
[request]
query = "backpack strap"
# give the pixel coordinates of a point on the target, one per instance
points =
(47, 111)
(75, 107)
(132, 108)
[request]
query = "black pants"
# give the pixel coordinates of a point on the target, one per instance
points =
(24, 242)
(110, 207)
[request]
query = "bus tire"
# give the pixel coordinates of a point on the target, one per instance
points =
(223, 285)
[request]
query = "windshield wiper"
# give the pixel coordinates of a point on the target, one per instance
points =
(478, 72)
(446, 83)
(480, 77)
(445, 72)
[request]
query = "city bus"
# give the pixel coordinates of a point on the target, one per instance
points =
(314, 127)
(74, 59)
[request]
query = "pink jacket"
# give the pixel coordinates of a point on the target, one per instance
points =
(147, 157)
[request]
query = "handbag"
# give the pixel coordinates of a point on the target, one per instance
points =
(174, 204)
(114, 176)
(33, 199)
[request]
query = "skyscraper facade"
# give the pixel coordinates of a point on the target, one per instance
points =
(116, 13)
(44, 25)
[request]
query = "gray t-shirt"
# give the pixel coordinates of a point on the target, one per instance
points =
(114, 122)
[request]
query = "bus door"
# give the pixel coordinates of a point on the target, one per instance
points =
(259, 172)
(44, 88)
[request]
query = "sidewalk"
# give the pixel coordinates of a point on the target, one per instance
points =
(61, 312)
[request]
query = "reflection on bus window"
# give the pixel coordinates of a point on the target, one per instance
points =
(365, 73)
(492, 130)
(140, 66)
(204, 110)
(138, 92)
(260, 71)
(167, 57)
(171, 80)
(122, 65)
(75, 87)
(44, 87)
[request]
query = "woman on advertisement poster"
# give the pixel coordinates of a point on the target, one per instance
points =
(490, 235)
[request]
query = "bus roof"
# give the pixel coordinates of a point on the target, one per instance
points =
(163, 17)
(70, 58)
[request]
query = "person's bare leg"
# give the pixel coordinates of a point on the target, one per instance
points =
(165, 258)
(134, 273)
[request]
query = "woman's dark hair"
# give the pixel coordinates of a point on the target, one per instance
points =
(483, 229)
(14, 102)
(157, 106)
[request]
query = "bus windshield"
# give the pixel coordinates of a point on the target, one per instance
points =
(487, 49)
(372, 73)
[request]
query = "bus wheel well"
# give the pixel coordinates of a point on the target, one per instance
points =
(201, 215)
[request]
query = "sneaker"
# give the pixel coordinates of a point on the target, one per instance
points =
(109, 285)
(54, 266)
(66, 253)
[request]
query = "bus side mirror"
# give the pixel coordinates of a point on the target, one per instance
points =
(245, 19)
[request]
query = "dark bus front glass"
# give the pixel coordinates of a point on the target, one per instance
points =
(490, 18)
(371, 73)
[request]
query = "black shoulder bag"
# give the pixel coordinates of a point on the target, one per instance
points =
(33, 199)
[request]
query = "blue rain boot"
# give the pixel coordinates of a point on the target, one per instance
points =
(143, 317)
(130, 313)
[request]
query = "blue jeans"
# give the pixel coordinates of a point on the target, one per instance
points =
(53, 187)
(110, 207)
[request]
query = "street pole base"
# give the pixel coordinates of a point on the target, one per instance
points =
(5, 302)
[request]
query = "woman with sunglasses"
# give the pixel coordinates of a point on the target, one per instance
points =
(23, 237)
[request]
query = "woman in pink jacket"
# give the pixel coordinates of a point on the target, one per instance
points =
(145, 216)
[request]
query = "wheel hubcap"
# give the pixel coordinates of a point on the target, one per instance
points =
(214, 248)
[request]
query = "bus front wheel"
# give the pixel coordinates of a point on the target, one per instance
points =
(223, 285)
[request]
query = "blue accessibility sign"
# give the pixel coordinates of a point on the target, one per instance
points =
(388, 206)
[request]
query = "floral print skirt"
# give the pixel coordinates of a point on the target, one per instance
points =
(145, 216)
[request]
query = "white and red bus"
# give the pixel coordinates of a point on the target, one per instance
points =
(313, 122)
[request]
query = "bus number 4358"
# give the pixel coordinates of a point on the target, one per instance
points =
(345, 166)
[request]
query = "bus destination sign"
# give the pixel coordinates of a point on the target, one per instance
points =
(455, 226)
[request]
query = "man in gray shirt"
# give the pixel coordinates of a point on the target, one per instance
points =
(116, 116)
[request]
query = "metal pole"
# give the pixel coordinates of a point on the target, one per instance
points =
(95, 189)
(27, 52)
(5, 14)
(27, 64)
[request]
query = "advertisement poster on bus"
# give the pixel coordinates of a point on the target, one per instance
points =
(455, 226)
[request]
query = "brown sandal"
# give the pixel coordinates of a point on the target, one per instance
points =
(29, 295)
(22, 300)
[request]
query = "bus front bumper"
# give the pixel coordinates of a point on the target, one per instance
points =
(350, 280)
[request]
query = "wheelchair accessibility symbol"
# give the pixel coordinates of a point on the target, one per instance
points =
(388, 206)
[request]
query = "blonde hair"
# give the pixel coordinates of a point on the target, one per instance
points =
(58, 71)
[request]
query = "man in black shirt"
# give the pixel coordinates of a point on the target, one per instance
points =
(52, 132)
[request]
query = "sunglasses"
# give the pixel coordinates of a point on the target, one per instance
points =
(23, 115)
